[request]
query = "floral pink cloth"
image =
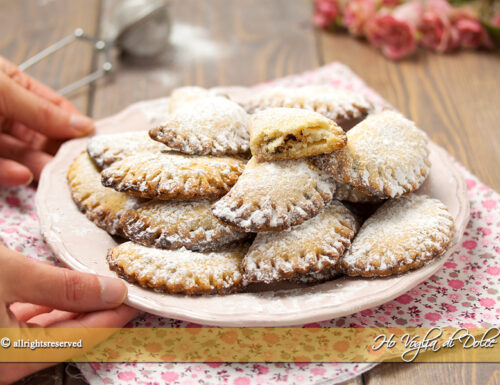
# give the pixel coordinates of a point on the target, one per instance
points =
(464, 293)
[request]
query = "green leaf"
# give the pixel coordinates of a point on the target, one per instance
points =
(493, 31)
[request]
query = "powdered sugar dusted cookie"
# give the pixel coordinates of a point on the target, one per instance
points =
(173, 176)
(402, 234)
(291, 133)
(179, 271)
(345, 192)
(172, 225)
(336, 104)
(207, 126)
(314, 246)
(107, 149)
(101, 205)
(183, 95)
(385, 154)
(272, 196)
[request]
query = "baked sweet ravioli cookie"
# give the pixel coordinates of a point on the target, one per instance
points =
(273, 196)
(385, 154)
(101, 205)
(207, 126)
(291, 133)
(179, 271)
(345, 192)
(403, 234)
(109, 148)
(314, 246)
(336, 104)
(183, 95)
(172, 225)
(173, 176)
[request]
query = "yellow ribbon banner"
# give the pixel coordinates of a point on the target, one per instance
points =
(250, 345)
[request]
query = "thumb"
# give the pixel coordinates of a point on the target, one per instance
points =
(21, 105)
(56, 287)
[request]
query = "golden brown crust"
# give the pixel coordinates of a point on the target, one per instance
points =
(179, 271)
(172, 225)
(291, 133)
(403, 234)
(385, 154)
(207, 126)
(173, 176)
(101, 205)
(273, 196)
(314, 246)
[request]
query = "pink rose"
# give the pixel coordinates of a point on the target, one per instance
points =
(439, 6)
(410, 12)
(395, 33)
(325, 13)
(356, 14)
(438, 34)
(471, 33)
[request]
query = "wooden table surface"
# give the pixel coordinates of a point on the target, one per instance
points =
(454, 98)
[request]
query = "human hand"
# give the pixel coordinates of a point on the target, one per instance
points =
(35, 294)
(33, 122)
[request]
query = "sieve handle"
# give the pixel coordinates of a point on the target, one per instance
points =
(78, 34)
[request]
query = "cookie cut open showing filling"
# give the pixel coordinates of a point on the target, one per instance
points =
(290, 133)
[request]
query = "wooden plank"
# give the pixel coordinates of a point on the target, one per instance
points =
(452, 97)
(220, 42)
(28, 26)
(434, 373)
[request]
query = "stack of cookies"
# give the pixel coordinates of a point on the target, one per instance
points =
(221, 195)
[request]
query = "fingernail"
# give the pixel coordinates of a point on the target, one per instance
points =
(113, 291)
(81, 123)
(28, 182)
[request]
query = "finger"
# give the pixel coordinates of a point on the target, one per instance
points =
(20, 152)
(113, 318)
(33, 139)
(14, 174)
(35, 86)
(25, 311)
(55, 316)
(26, 135)
(57, 287)
(19, 104)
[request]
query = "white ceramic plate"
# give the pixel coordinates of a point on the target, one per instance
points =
(82, 246)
